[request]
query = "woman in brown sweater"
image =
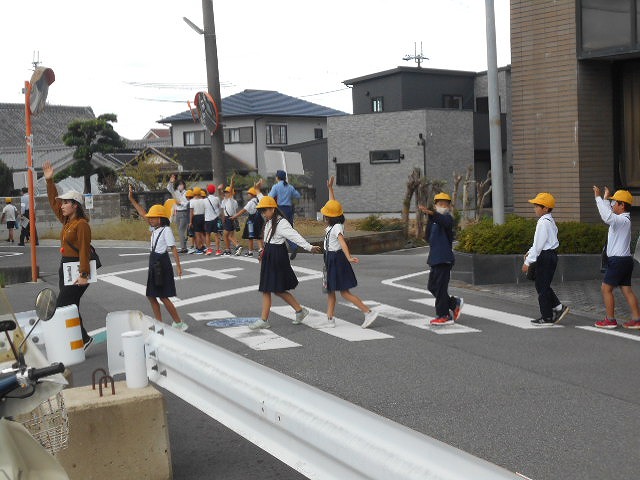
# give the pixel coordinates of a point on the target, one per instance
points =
(75, 243)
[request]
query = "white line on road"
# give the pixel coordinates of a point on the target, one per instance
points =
(615, 333)
(257, 339)
(214, 315)
(392, 282)
(344, 330)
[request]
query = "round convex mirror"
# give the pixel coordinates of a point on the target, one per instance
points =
(46, 304)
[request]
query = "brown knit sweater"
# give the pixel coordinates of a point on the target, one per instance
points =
(76, 232)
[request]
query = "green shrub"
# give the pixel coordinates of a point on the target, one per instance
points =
(516, 236)
(374, 223)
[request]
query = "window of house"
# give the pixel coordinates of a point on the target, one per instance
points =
(452, 101)
(317, 133)
(238, 135)
(606, 24)
(348, 174)
(384, 156)
(276, 134)
(197, 137)
(376, 104)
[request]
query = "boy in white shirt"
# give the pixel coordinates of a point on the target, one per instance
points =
(544, 253)
(9, 213)
(615, 212)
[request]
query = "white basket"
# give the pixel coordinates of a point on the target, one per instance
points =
(49, 424)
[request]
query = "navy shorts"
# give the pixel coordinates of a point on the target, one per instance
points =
(198, 223)
(211, 226)
(619, 270)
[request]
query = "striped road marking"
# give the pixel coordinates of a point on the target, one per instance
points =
(343, 329)
(214, 315)
(257, 339)
(505, 318)
(615, 333)
(414, 319)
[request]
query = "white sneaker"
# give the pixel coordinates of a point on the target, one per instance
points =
(238, 251)
(369, 318)
(259, 324)
(331, 323)
(300, 316)
(182, 326)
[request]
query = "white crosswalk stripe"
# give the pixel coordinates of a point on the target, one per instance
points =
(344, 330)
(615, 333)
(258, 339)
(505, 318)
(413, 319)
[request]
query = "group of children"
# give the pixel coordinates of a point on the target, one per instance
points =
(277, 277)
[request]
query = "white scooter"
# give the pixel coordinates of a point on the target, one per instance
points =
(21, 390)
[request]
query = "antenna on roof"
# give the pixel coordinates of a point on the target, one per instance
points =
(418, 58)
(35, 59)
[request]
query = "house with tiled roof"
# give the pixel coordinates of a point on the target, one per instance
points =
(47, 129)
(254, 121)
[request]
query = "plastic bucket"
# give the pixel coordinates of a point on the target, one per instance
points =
(63, 336)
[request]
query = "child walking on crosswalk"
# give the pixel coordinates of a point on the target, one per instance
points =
(276, 274)
(338, 274)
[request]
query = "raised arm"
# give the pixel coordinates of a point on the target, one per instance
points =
(141, 211)
(330, 187)
(52, 191)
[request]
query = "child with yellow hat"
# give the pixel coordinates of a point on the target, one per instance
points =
(160, 281)
(439, 234)
(615, 211)
(9, 214)
(338, 275)
(544, 254)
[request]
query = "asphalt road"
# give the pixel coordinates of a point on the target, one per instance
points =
(551, 403)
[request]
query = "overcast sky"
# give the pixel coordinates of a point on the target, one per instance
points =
(139, 60)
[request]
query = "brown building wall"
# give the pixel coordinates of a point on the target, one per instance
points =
(561, 111)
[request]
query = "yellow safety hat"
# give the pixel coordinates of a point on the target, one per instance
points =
(168, 205)
(253, 191)
(545, 199)
(157, 211)
(203, 193)
(267, 202)
(622, 196)
(197, 191)
(441, 196)
(228, 190)
(188, 194)
(332, 209)
(8, 200)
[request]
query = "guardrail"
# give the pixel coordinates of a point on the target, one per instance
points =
(318, 434)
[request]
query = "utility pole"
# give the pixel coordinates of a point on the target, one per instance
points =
(495, 131)
(213, 85)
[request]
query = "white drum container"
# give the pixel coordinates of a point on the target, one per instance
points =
(63, 336)
(135, 363)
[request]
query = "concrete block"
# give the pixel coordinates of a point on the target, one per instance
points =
(121, 436)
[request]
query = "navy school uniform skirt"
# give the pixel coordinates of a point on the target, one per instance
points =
(276, 274)
(340, 275)
(258, 222)
(168, 288)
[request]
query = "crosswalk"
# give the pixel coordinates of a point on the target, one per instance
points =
(352, 332)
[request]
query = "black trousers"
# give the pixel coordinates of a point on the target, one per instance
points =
(26, 232)
(438, 285)
(545, 269)
(70, 295)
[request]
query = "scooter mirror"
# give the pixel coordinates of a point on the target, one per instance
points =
(7, 325)
(46, 304)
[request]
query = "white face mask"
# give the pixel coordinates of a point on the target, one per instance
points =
(442, 210)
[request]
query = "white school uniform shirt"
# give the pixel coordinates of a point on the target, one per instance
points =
(334, 231)
(182, 204)
(166, 239)
(284, 231)
(230, 207)
(545, 238)
(619, 235)
(252, 206)
(9, 212)
(211, 208)
(197, 204)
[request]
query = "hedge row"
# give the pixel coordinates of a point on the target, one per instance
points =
(516, 236)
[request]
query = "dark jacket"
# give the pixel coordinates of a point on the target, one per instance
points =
(439, 234)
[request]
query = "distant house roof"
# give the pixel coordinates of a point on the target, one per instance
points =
(251, 103)
(47, 128)
(412, 70)
(157, 133)
(191, 159)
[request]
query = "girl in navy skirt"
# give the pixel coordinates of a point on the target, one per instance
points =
(253, 226)
(339, 276)
(160, 281)
(276, 274)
